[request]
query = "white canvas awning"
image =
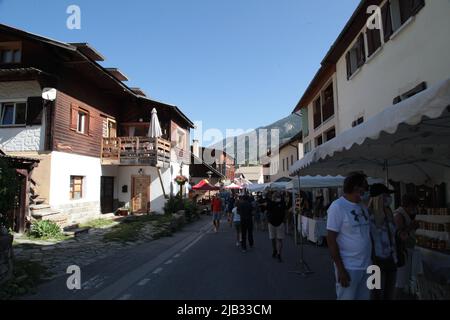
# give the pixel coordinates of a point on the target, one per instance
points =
(409, 141)
(258, 187)
(309, 182)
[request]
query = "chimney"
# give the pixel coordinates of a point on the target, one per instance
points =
(196, 148)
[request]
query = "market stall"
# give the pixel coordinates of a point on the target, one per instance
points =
(407, 144)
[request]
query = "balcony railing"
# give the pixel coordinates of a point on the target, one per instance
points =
(136, 151)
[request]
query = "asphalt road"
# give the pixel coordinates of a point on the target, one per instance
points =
(198, 264)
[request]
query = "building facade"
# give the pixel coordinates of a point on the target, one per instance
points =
(91, 137)
(380, 58)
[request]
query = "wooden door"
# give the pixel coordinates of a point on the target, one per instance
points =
(112, 129)
(107, 194)
(140, 194)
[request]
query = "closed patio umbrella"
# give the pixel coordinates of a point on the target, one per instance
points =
(154, 130)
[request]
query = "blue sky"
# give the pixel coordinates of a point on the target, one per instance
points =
(231, 63)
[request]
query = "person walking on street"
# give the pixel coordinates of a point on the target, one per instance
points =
(230, 208)
(349, 239)
(276, 215)
(245, 210)
(236, 218)
(382, 231)
(216, 207)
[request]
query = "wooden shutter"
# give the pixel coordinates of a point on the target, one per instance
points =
(349, 65)
(90, 124)
(387, 21)
(73, 117)
(416, 5)
(373, 40)
(35, 106)
(361, 50)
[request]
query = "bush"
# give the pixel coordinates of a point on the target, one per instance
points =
(45, 230)
(173, 205)
(191, 210)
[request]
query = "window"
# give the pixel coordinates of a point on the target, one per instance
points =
(356, 56)
(284, 166)
(386, 18)
(10, 56)
(409, 8)
(319, 140)
(10, 52)
(317, 113)
(357, 122)
(13, 113)
(330, 134)
(305, 121)
(399, 12)
(292, 160)
(82, 122)
(76, 187)
(421, 87)
(373, 40)
(287, 163)
(328, 103)
(307, 147)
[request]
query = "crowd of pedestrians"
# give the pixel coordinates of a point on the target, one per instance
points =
(363, 231)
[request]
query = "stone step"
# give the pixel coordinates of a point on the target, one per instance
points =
(38, 207)
(38, 201)
(42, 213)
(77, 232)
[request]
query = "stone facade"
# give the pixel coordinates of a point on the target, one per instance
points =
(20, 139)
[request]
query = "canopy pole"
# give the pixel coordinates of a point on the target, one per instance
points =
(386, 171)
(304, 269)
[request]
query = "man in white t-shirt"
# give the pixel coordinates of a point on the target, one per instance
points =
(349, 239)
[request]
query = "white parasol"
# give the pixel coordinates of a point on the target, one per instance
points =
(155, 128)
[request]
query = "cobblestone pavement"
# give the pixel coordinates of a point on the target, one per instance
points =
(81, 250)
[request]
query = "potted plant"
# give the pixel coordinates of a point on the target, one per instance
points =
(181, 181)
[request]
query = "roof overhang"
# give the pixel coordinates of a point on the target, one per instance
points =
(89, 51)
(117, 74)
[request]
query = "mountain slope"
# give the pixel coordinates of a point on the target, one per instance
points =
(287, 128)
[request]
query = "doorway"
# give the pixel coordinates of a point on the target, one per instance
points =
(107, 195)
(140, 194)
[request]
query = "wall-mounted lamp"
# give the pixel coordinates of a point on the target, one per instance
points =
(141, 171)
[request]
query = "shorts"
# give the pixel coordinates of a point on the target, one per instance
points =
(276, 232)
(217, 216)
(357, 290)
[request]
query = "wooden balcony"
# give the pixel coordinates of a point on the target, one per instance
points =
(139, 151)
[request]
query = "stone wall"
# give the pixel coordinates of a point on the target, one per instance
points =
(5, 258)
(79, 212)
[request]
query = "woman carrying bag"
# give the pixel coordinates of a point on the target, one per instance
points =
(383, 231)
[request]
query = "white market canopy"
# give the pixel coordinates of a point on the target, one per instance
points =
(408, 142)
(309, 182)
